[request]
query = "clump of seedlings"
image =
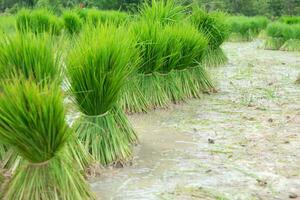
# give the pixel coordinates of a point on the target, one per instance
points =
(72, 22)
(36, 58)
(38, 21)
(283, 37)
(216, 31)
(244, 28)
(171, 49)
(95, 17)
(290, 19)
(32, 123)
(98, 67)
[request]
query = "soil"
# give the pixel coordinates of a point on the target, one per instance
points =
(240, 143)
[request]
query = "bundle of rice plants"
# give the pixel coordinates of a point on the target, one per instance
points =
(38, 21)
(95, 17)
(159, 54)
(31, 56)
(32, 122)
(216, 31)
(152, 45)
(245, 28)
(290, 19)
(98, 67)
(292, 39)
(72, 22)
(162, 11)
(170, 48)
(283, 36)
(36, 58)
(185, 81)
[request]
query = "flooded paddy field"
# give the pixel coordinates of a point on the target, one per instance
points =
(242, 142)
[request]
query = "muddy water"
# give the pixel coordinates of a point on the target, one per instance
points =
(241, 143)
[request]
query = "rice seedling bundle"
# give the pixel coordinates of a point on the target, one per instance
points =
(98, 67)
(32, 122)
(283, 36)
(29, 55)
(160, 53)
(216, 31)
(33, 57)
(290, 19)
(95, 17)
(170, 47)
(38, 21)
(246, 28)
(72, 22)
(164, 12)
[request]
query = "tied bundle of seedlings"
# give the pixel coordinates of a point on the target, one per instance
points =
(162, 11)
(193, 78)
(38, 21)
(32, 122)
(95, 17)
(33, 57)
(158, 55)
(72, 22)
(216, 31)
(152, 45)
(98, 67)
(186, 48)
(283, 37)
(244, 28)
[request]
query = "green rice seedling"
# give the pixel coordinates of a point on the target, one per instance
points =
(32, 122)
(245, 28)
(98, 67)
(290, 19)
(36, 58)
(38, 21)
(182, 84)
(168, 46)
(216, 31)
(159, 54)
(72, 22)
(31, 56)
(283, 36)
(152, 45)
(162, 11)
(95, 17)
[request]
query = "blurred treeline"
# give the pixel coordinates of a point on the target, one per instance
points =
(245, 7)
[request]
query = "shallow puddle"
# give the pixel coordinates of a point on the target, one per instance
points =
(240, 143)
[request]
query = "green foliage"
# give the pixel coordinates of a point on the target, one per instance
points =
(212, 25)
(98, 67)
(150, 42)
(163, 11)
(284, 31)
(7, 23)
(247, 27)
(72, 22)
(32, 122)
(290, 19)
(95, 17)
(29, 55)
(191, 46)
(38, 21)
(283, 36)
